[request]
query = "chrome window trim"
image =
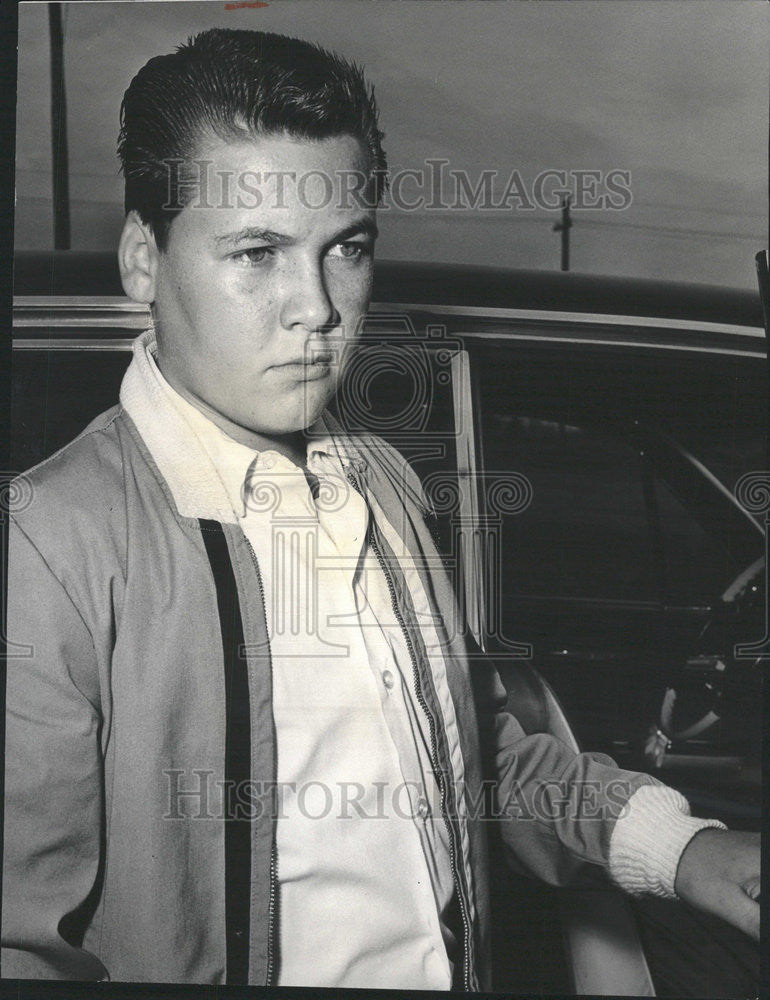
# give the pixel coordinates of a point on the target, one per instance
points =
(73, 343)
(470, 555)
(93, 320)
(25, 303)
(122, 343)
(537, 337)
(121, 302)
(579, 318)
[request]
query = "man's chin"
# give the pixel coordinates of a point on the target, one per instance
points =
(292, 423)
(314, 402)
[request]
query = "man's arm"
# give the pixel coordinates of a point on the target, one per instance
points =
(53, 778)
(567, 809)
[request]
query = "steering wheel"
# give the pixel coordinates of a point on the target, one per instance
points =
(678, 721)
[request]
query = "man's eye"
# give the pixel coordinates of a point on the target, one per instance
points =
(253, 256)
(350, 251)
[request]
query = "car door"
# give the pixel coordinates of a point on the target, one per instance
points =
(614, 571)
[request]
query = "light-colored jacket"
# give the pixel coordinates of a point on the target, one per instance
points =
(121, 641)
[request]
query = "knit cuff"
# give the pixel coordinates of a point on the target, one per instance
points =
(649, 839)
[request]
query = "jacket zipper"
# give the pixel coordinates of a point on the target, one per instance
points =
(270, 969)
(433, 750)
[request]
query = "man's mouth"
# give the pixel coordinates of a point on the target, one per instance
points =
(317, 365)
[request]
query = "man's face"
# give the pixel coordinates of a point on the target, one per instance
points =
(247, 297)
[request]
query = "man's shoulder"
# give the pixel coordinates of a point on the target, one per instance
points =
(82, 478)
(83, 454)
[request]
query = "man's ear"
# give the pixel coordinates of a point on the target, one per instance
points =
(138, 259)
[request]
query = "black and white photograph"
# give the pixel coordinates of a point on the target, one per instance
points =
(454, 309)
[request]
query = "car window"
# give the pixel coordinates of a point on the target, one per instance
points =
(713, 405)
(696, 570)
(585, 533)
(605, 521)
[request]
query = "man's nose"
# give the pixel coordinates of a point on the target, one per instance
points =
(306, 300)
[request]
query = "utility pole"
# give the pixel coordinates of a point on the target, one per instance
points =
(59, 154)
(564, 227)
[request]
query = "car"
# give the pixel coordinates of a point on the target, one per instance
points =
(581, 442)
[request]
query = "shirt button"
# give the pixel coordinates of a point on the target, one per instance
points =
(387, 679)
(422, 809)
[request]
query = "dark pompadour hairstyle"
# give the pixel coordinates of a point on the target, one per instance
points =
(231, 85)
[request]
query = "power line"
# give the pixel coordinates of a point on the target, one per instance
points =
(526, 217)
(670, 230)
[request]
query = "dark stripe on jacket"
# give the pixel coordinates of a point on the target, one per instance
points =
(237, 756)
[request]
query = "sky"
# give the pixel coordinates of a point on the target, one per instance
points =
(669, 97)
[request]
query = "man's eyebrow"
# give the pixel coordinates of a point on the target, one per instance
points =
(364, 227)
(253, 233)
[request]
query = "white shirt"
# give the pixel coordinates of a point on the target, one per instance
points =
(363, 857)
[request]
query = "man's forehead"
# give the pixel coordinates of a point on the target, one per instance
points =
(280, 147)
(271, 173)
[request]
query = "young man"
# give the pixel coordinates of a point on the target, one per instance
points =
(195, 790)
